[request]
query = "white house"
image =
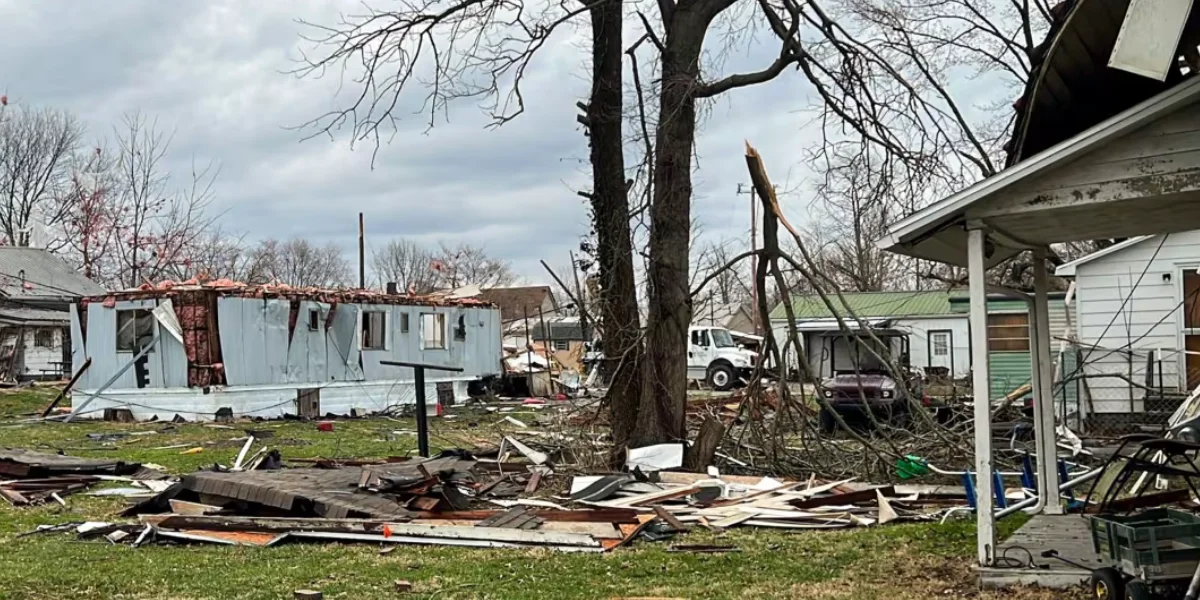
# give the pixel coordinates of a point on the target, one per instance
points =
(1138, 307)
(937, 334)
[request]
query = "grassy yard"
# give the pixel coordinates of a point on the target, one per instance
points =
(893, 562)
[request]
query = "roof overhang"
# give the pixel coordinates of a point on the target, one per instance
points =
(833, 325)
(939, 231)
(1068, 269)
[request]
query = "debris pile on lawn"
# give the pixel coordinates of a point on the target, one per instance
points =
(722, 501)
(28, 477)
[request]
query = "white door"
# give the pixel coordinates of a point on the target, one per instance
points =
(941, 350)
(699, 354)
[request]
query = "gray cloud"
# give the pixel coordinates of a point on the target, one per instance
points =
(214, 73)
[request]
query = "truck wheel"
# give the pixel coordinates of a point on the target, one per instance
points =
(1107, 584)
(1138, 590)
(720, 377)
(826, 421)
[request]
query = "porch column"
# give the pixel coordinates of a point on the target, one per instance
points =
(1047, 450)
(980, 383)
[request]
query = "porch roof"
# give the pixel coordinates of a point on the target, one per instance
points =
(1163, 197)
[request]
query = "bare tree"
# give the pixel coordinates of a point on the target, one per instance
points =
(464, 264)
(158, 227)
(218, 254)
(856, 207)
(481, 48)
(728, 284)
(298, 262)
(620, 321)
(89, 222)
(36, 150)
(406, 264)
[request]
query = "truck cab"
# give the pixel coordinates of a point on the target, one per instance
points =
(713, 357)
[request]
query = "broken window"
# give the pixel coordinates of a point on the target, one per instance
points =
(135, 329)
(1008, 333)
(433, 331)
(374, 323)
(403, 322)
(43, 338)
(314, 319)
(460, 332)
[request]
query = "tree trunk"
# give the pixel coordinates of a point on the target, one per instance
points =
(664, 389)
(620, 322)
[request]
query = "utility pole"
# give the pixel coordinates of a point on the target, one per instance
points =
(749, 189)
(362, 258)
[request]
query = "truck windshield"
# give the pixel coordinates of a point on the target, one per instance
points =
(722, 339)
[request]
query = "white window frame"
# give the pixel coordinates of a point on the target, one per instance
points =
(147, 317)
(366, 329)
(940, 340)
(439, 321)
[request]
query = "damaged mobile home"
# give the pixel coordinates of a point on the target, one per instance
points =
(269, 351)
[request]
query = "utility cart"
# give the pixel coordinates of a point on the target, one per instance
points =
(1153, 554)
(1152, 551)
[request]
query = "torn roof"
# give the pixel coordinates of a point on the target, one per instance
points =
(1071, 87)
(515, 301)
(226, 287)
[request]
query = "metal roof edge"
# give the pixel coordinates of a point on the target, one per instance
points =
(1120, 124)
(1067, 269)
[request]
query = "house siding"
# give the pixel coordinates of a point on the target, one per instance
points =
(1119, 307)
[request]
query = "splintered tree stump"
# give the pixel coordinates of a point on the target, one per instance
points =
(708, 439)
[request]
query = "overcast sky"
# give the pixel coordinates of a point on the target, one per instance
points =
(213, 72)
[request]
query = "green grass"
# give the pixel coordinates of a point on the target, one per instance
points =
(892, 562)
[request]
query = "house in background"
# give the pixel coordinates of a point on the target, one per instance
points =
(269, 351)
(36, 289)
(938, 328)
(737, 317)
(1009, 358)
(937, 335)
(519, 305)
(1137, 307)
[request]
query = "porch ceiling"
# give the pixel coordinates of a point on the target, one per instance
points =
(1018, 214)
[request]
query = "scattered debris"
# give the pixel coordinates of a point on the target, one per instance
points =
(655, 458)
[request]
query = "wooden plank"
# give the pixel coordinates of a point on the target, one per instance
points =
(670, 519)
(600, 515)
(855, 497)
(182, 507)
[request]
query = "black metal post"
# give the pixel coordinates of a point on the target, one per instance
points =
(422, 411)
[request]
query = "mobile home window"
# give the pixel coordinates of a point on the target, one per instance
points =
(460, 331)
(1008, 333)
(433, 331)
(374, 326)
(403, 322)
(314, 319)
(135, 329)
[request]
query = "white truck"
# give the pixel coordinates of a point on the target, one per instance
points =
(714, 358)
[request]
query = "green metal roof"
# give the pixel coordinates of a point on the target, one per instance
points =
(872, 305)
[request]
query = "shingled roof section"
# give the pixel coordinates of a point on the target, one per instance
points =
(34, 274)
(514, 301)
